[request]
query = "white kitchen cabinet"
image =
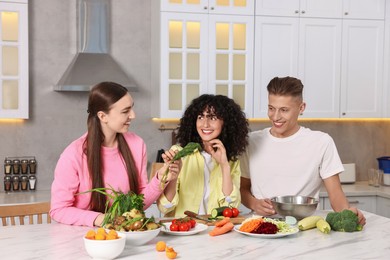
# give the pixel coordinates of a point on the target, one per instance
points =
(306, 48)
(340, 61)
(366, 203)
(196, 53)
(364, 9)
(14, 59)
(244, 7)
(300, 8)
(362, 69)
(383, 206)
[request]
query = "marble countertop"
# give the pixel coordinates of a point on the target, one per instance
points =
(19, 197)
(59, 241)
(361, 189)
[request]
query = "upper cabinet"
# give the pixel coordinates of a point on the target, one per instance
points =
(300, 8)
(335, 47)
(364, 9)
(236, 7)
(13, 59)
(198, 52)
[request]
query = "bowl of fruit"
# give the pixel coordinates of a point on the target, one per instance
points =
(101, 244)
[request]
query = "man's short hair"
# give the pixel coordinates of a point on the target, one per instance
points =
(287, 86)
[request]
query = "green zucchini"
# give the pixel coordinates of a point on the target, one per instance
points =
(216, 212)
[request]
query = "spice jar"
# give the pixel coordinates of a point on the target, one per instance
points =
(7, 183)
(32, 180)
(15, 183)
(24, 182)
(33, 166)
(16, 166)
(24, 166)
(7, 166)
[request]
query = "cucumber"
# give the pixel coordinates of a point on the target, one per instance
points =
(216, 212)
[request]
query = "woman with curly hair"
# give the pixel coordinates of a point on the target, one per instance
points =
(211, 177)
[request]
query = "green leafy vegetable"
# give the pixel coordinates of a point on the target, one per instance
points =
(121, 203)
(187, 150)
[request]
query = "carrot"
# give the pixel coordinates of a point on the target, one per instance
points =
(222, 222)
(251, 225)
(221, 227)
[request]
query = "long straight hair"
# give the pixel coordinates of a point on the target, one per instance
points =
(101, 98)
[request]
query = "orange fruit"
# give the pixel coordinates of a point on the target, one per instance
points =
(101, 231)
(100, 236)
(113, 233)
(171, 254)
(169, 249)
(160, 246)
(90, 234)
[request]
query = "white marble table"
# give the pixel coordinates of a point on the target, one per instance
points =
(58, 241)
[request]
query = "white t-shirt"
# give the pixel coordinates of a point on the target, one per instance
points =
(294, 165)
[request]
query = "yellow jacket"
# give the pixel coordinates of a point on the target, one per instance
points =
(190, 186)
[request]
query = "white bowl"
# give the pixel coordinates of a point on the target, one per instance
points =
(137, 238)
(105, 249)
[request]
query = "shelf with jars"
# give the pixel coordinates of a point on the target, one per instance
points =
(20, 174)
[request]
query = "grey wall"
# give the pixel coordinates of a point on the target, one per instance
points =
(57, 118)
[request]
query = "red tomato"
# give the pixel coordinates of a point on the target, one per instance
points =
(174, 227)
(193, 223)
(235, 212)
(183, 227)
(174, 221)
(227, 213)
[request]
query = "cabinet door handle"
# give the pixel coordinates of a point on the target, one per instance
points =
(205, 7)
(212, 8)
(296, 11)
(346, 13)
(303, 11)
(353, 202)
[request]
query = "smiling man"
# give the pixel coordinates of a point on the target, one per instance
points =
(289, 159)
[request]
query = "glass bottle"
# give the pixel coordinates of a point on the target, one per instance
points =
(16, 166)
(15, 183)
(32, 180)
(33, 166)
(7, 166)
(7, 183)
(24, 166)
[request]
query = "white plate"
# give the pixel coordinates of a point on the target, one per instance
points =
(294, 231)
(198, 228)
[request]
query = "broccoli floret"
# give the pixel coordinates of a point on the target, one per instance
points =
(344, 221)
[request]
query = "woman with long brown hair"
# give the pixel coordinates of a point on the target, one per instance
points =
(106, 156)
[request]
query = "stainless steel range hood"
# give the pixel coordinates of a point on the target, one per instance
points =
(93, 64)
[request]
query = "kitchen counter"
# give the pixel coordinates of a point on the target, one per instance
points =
(59, 241)
(361, 189)
(24, 197)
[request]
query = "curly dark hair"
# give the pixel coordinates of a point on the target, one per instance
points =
(234, 134)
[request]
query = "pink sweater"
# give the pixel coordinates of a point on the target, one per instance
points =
(71, 176)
